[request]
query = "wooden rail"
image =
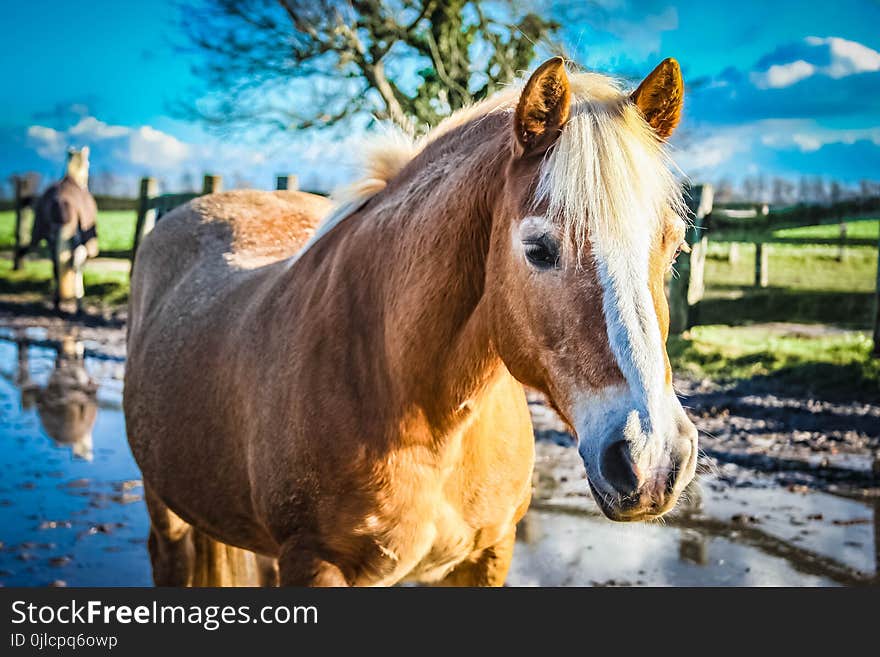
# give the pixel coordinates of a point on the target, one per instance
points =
(152, 205)
(756, 224)
(25, 195)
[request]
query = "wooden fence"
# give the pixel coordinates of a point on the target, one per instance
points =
(151, 205)
(756, 224)
(733, 224)
(25, 195)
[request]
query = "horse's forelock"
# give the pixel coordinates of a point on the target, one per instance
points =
(608, 178)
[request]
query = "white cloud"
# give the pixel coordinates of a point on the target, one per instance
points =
(847, 57)
(768, 145)
(49, 143)
(128, 152)
(831, 57)
(710, 151)
(782, 75)
(807, 143)
(153, 148)
(89, 127)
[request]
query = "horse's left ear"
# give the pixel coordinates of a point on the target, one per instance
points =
(85, 152)
(660, 96)
(543, 108)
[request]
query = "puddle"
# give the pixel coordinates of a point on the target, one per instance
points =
(71, 507)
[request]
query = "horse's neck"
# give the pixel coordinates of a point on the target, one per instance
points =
(78, 175)
(418, 252)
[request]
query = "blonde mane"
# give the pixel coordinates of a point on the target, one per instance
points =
(608, 173)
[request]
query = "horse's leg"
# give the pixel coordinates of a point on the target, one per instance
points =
(184, 556)
(488, 569)
(56, 276)
(78, 262)
(267, 571)
(172, 552)
(299, 565)
(218, 564)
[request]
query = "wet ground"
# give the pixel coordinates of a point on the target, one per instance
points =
(72, 513)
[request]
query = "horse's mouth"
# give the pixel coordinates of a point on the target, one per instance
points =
(624, 510)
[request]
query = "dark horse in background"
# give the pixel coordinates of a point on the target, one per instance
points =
(65, 216)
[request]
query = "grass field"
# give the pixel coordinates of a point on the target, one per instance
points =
(735, 338)
(832, 365)
(115, 231)
(33, 282)
(869, 229)
(806, 284)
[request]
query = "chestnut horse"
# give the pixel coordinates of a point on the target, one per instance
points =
(349, 404)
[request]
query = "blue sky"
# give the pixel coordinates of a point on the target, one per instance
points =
(790, 91)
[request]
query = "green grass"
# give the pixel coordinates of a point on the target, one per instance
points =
(869, 229)
(33, 282)
(115, 231)
(796, 267)
(834, 365)
(807, 284)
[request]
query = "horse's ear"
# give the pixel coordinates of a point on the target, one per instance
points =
(84, 151)
(660, 96)
(543, 108)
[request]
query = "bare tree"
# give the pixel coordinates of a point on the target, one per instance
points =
(805, 194)
(240, 181)
(760, 188)
(188, 182)
(819, 191)
(783, 192)
(836, 192)
(750, 189)
(105, 182)
(868, 188)
(293, 64)
(724, 191)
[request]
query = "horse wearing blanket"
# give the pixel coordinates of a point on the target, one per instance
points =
(65, 216)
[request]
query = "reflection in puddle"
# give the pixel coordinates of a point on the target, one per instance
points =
(732, 528)
(67, 405)
(71, 508)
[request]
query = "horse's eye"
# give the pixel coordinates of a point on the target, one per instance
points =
(542, 252)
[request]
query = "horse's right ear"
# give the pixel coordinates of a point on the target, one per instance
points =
(543, 108)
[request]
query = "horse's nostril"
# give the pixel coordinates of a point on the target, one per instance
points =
(617, 468)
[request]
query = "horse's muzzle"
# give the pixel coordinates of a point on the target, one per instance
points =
(627, 490)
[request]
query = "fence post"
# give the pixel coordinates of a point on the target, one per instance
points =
(25, 189)
(686, 286)
(876, 352)
(842, 247)
(146, 215)
(733, 253)
(212, 184)
(288, 182)
(762, 265)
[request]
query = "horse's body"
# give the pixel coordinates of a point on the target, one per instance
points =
(342, 471)
(351, 406)
(65, 215)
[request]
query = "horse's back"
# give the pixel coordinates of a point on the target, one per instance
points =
(203, 247)
(64, 202)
